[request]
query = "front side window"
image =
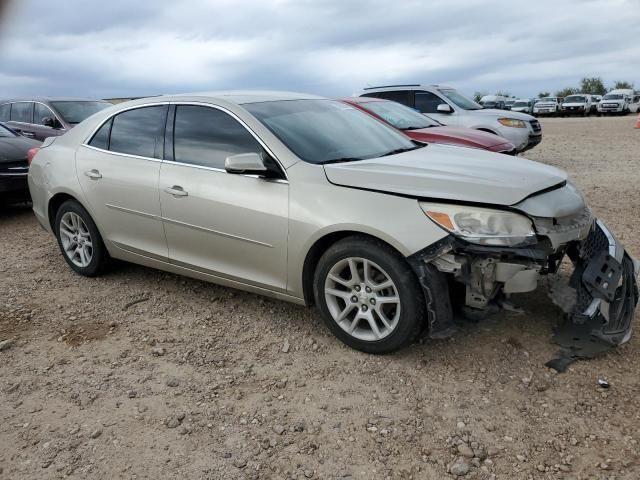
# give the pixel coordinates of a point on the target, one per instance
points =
(5, 112)
(400, 96)
(328, 131)
(427, 102)
(22, 112)
(75, 111)
(401, 117)
(41, 112)
(139, 132)
(207, 136)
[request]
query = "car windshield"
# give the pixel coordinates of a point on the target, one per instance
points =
(401, 117)
(489, 104)
(520, 104)
(328, 131)
(613, 96)
(461, 101)
(75, 111)
(6, 133)
(509, 102)
(575, 99)
(549, 99)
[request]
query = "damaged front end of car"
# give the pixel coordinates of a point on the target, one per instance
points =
(493, 253)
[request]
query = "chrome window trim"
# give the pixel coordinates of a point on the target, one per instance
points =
(195, 104)
(138, 157)
(222, 170)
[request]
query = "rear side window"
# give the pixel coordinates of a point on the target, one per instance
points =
(400, 96)
(427, 102)
(22, 112)
(206, 136)
(101, 137)
(139, 132)
(5, 112)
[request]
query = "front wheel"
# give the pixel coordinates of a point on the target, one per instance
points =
(79, 240)
(368, 295)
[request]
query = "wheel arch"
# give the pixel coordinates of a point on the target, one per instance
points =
(485, 129)
(319, 247)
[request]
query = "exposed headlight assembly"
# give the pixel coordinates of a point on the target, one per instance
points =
(481, 225)
(512, 122)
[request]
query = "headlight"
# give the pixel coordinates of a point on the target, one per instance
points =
(512, 122)
(481, 225)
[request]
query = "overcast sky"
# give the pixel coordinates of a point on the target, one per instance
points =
(144, 47)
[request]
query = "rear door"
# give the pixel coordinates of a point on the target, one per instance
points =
(119, 171)
(21, 118)
(234, 226)
(405, 97)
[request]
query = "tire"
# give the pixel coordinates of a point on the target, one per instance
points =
(376, 327)
(84, 250)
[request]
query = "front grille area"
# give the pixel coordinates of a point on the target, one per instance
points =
(14, 168)
(535, 125)
(595, 243)
(577, 221)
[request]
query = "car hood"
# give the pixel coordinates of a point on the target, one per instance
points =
(449, 173)
(15, 148)
(467, 136)
(502, 113)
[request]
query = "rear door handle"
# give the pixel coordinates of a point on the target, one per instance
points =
(93, 174)
(176, 191)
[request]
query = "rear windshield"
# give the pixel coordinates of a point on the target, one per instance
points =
(74, 111)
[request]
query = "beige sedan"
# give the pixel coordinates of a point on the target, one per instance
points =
(309, 200)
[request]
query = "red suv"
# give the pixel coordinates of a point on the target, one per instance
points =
(425, 129)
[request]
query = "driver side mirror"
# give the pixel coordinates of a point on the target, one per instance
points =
(247, 163)
(444, 108)
(50, 122)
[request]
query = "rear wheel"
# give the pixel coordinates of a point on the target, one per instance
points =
(79, 240)
(368, 295)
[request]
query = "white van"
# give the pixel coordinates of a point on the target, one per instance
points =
(619, 101)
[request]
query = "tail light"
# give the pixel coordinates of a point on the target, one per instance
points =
(31, 154)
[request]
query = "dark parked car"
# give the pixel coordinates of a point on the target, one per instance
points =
(13, 164)
(425, 129)
(39, 118)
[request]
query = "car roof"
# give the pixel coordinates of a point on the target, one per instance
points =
(241, 97)
(413, 86)
(51, 99)
(362, 99)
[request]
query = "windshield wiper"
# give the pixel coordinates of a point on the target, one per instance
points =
(401, 150)
(341, 160)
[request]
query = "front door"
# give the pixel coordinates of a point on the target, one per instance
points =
(119, 172)
(230, 225)
(427, 102)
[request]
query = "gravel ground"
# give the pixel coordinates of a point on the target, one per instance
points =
(203, 382)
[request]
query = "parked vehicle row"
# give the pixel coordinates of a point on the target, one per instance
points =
(450, 107)
(316, 202)
(14, 150)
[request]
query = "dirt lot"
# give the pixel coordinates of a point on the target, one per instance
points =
(195, 381)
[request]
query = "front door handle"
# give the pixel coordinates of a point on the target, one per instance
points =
(176, 191)
(93, 174)
(28, 134)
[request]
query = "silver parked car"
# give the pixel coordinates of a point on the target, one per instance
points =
(312, 201)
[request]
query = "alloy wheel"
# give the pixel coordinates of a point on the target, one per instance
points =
(362, 299)
(76, 239)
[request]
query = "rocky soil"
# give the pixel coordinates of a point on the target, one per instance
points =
(143, 374)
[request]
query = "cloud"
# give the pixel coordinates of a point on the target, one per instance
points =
(122, 48)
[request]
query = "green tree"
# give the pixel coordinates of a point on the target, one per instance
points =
(565, 92)
(622, 84)
(592, 86)
(544, 94)
(478, 95)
